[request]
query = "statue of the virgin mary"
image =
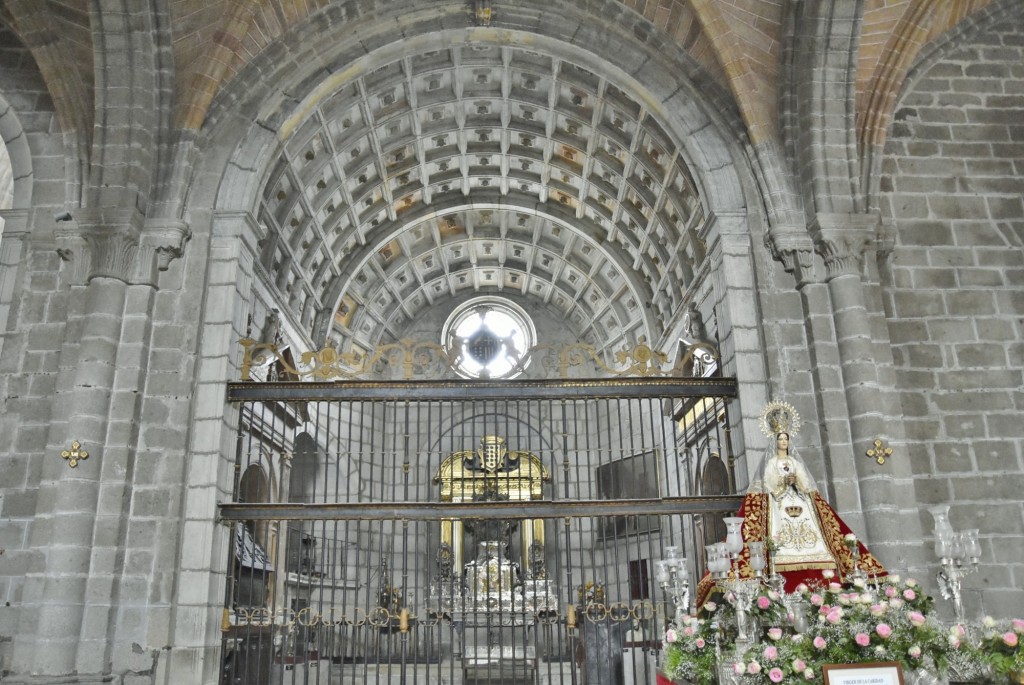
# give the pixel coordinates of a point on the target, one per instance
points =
(783, 506)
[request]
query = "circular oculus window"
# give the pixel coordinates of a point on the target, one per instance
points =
(490, 337)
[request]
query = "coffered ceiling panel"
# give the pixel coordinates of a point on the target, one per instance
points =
(482, 170)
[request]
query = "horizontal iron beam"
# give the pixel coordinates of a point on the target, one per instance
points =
(580, 389)
(434, 511)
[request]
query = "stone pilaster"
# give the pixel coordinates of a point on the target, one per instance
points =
(200, 582)
(736, 301)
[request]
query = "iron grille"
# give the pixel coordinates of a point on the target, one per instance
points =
(463, 532)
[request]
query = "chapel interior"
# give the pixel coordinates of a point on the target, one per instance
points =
(434, 341)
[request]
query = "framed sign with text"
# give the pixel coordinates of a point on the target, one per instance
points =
(877, 673)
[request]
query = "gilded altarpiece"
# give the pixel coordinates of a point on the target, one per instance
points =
(492, 473)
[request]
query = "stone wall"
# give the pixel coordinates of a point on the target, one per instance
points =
(952, 181)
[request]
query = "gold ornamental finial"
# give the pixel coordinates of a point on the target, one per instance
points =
(780, 417)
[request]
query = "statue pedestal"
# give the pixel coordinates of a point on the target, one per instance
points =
(599, 650)
(501, 664)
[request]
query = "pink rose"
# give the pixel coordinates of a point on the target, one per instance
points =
(688, 630)
(883, 630)
(739, 669)
(862, 639)
(834, 616)
(799, 665)
(916, 618)
(890, 591)
(753, 668)
(775, 675)
(771, 652)
(954, 642)
(879, 609)
(914, 652)
(1018, 625)
(835, 587)
(775, 633)
(670, 636)
(909, 595)
(700, 643)
(1010, 639)
(819, 642)
(817, 600)
(763, 602)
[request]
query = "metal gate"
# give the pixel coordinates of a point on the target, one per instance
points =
(462, 532)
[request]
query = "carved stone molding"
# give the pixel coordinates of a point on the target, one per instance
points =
(794, 248)
(842, 240)
(118, 243)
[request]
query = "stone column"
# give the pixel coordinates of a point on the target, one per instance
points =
(842, 241)
(793, 247)
(78, 530)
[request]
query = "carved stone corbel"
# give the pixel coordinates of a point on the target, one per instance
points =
(795, 249)
(842, 240)
(163, 241)
(118, 243)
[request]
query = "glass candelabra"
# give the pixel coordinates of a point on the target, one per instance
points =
(723, 562)
(958, 555)
(672, 574)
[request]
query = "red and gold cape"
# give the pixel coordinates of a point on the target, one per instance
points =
(755, 512)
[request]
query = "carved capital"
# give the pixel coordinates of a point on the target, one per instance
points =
(842, 239)
(794, 248)
(118, 243)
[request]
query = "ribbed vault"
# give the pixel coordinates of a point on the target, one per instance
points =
(480, 169)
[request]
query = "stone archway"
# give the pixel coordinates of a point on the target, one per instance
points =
(248, 127)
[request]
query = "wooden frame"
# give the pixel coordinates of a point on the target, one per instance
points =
(873, 673)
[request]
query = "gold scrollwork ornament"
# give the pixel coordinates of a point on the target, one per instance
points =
(75, 454)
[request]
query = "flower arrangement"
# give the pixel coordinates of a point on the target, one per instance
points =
(885, 621)
(1002, 646)
(691, 649)
(769, 608)
(862, 622)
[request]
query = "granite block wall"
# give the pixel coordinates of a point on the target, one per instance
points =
(952, 185)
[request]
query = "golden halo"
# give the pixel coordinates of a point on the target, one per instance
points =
(779, 417)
